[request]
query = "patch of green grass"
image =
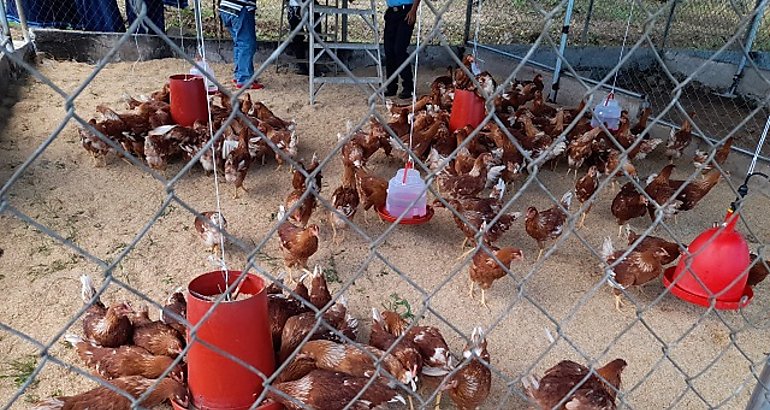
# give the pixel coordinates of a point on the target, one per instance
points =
(40, 270)
(20, 369)
(399, 305)
(330, 272)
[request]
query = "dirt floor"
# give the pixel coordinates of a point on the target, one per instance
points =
(708, 355)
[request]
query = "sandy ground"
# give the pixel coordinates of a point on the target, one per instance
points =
(708, 357)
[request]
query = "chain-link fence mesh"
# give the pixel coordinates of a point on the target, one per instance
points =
(143, 227)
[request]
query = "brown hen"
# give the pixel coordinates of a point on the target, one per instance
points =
(548, 224)
(105, 398)
(651, 243)
(111, 363)
(635, 269)
(298, 244)
(469, 387)
(586, 390)
(485, 269)
(155, 336)
(324, 390)
(585, 188)
(627, 205)
(107, 327)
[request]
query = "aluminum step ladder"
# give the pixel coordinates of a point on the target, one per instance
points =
(333, 47)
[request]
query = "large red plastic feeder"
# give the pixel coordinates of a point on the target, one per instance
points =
(467, 109)
(189, 101)
(240, 327)
(717, 273)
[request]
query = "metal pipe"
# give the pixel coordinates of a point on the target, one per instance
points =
(760, 398)
(468, 15)
(562, 46)
(6, 42)
(22, 20)
(546, 67)
(748, 43)
(344, 22)
(668, 23)
(584, 35)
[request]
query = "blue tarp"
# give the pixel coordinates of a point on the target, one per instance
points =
(89, 15)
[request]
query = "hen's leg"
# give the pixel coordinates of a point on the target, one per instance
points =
(438, 401)
(461, 257)
(465, 242)
(618, 301)
(542, 249)
(411, 402)
(583, 219)
(620, 230)
(471, 293)
(235, 195)
(484, 298)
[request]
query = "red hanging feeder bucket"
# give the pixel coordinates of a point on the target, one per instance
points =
(720, 259)
(467, 109)
(241, 328)
(189, 102)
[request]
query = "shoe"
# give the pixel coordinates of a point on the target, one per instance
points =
(405, 94)
(390, 93)
(235, 82)
(256, 85)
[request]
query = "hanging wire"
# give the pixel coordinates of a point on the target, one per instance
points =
(622, 51)
(476, 33)
(410, 162)
(201, 45)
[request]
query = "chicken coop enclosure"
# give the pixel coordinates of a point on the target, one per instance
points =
(558, 267)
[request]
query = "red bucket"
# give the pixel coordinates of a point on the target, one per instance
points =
(240, 328)
(467, 109)
(188, 99)
(720, 259)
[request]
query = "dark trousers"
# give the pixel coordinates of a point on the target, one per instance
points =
(398, 35)
(299, 44)
(155, 12)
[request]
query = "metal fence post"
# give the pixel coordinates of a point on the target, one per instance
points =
(748, 43)
(668, 24)
(468, 15)
(6, 42)
(22, 20)
(760, 398)
(584, 34)
(562, 47)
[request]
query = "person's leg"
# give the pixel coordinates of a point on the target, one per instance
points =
(228, 21)
(389, 39)
(298, 43)
(403, 39)
(247, 37)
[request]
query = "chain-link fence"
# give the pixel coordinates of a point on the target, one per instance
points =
(585, 268)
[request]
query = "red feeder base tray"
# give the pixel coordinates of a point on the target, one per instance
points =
(701, 300)
(385, 216)
(269, 406)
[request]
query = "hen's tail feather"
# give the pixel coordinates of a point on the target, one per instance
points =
(566, 200)
(87, 289)
(607, 248)
(49, 404)
(73, 339)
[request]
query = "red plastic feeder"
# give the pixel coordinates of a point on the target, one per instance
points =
(467, 109)
(720, 259)
(189, 102)
(239, 327)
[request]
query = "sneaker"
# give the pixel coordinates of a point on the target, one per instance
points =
(405, 94)
(390, 93)
(256, 85)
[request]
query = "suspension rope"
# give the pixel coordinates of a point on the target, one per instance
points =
(611, 95)
(201, 46)
(410, 161)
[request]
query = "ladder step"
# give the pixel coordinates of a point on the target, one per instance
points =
(349, 46)
(347, 80)
(339, 10)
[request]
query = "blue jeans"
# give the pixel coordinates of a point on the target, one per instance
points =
(244, 33)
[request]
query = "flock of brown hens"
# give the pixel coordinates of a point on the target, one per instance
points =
(148, 132)
(332, 367)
